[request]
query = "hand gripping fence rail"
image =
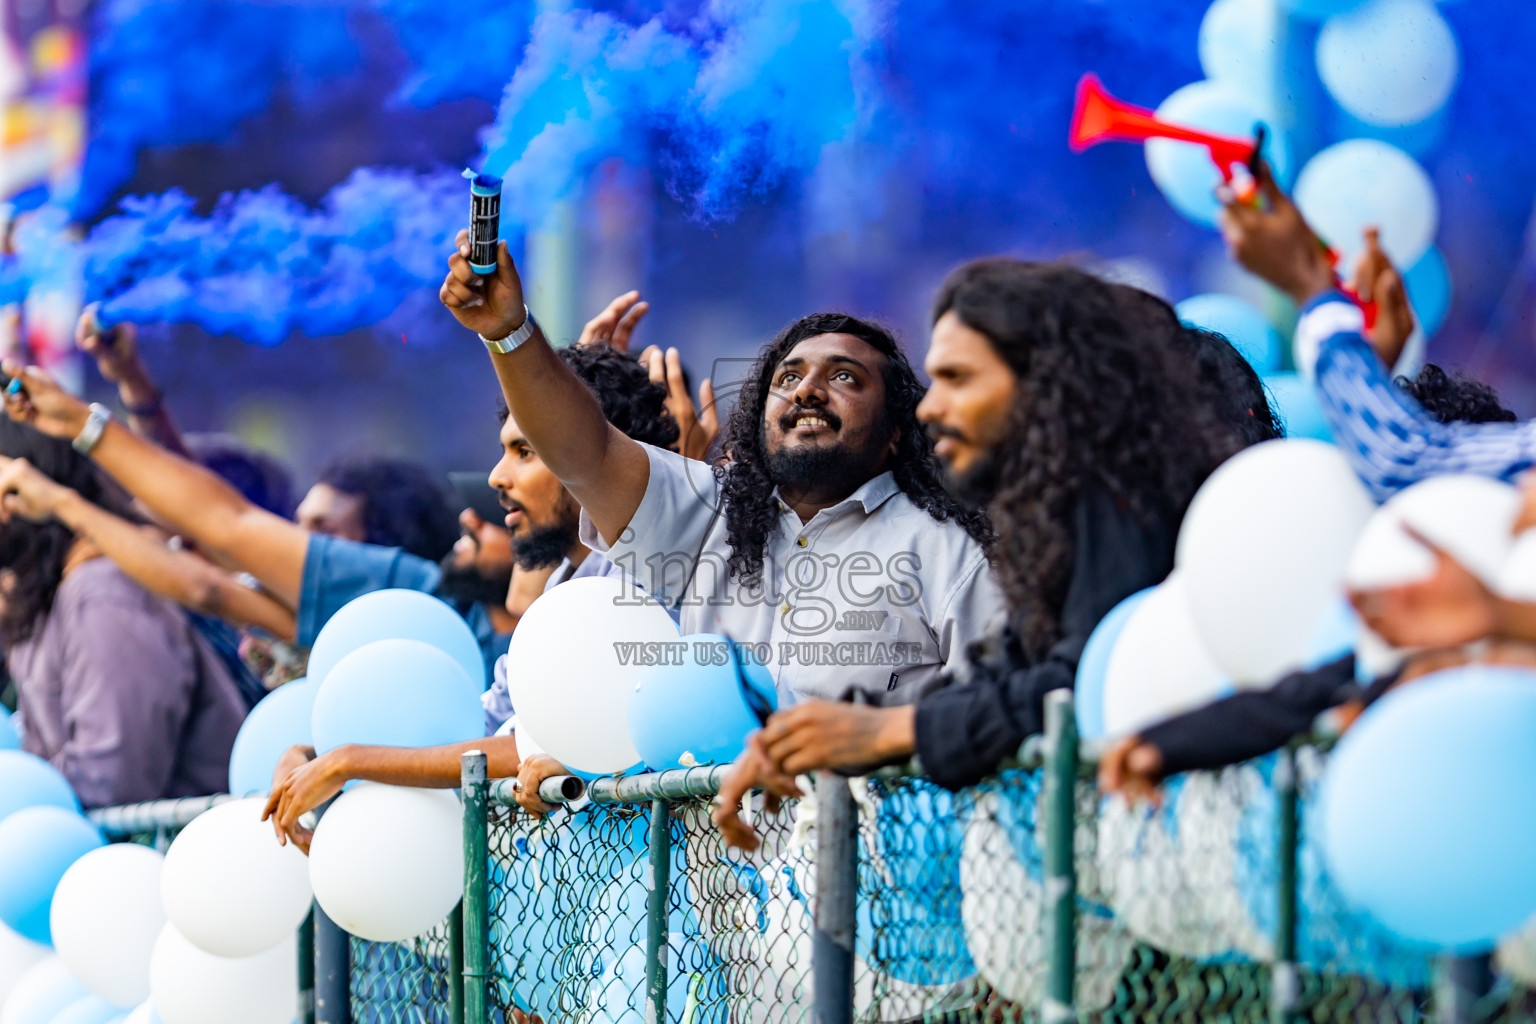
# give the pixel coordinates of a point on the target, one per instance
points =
(1029, 897)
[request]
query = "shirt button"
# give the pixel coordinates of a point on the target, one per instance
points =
(785, 608)
(802, 541)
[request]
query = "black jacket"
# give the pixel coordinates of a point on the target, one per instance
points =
(1248, 725)
(966, 729)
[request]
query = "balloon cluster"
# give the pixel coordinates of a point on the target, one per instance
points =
(1390, 66)
(1424, 800)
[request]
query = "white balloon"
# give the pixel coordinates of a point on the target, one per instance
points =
(1517, 579)
(1158, 667)
(1389, 63)
(1003, 907)
(192, 987)
(1468, 517)
(387, 862)
(567, 672)
(105, 918)
(18, 955)
(41, 993)
(229, 887)
(1364, 183)
(1262, 551)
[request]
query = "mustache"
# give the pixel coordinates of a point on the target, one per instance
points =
(510, 504)
(788, 420)
(937, 430)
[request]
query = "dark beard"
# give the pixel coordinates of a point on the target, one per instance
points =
(544, 547)
(977, 486)
(468, 585)
(802, 467)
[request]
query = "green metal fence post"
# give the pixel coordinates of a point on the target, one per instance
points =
(1285, 981)
(307, 969)
(456, 964)
(475, 932)
(837, 883)
(1059, 824)
(656, 913)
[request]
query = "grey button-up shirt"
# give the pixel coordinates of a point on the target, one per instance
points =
(872, 592)
(123, 695)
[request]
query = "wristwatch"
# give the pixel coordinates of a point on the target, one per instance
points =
(501, 346)
(90, 434)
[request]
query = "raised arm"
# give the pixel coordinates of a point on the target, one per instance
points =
(194, 501)
(604, 470)
(116, 351)
(1389, 439)
(140, 552)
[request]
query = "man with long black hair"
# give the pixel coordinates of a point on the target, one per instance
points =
(1082, 415)
(824, 537)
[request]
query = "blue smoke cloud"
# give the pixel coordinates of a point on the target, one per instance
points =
(703, 97)
(171, 72)
(263, 265)
(748, 92)
(458, 48)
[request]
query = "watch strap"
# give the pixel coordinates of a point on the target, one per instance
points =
(90, 434)
(513, 341)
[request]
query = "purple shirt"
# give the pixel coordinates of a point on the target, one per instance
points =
(120, 693)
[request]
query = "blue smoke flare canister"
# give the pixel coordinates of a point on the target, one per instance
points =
(484, 221)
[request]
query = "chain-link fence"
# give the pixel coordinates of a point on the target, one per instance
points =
(887, 899)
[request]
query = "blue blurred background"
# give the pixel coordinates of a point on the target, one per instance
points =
(742, 162)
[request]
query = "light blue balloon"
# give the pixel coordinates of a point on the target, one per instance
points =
(619, 994)
(396, 615)
(280, 721)
(1390, 63)
(90, 1010)
(696, 708)
(10, 739)
(1429, 290)
(1331, 935)
(396, 693)
(1092, 666)
(28, 781)
(1240, 44)
(1429, 808)
(1249, 330)
(1317, 10)
(37, 845)
(1183, 171)
(44, 1004)
(1295, 403)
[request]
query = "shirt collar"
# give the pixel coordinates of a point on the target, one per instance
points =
(871, 495)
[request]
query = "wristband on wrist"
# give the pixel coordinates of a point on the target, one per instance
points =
(90, 434)
(148, 409)
(513, 341)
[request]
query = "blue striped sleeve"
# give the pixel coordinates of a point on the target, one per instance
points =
(1389, 439)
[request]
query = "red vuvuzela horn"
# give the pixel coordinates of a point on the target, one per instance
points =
(1099, 117)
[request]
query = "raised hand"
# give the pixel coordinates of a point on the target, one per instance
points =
(615, 324)
(1273, 241)
(492, 305)
(34, 398)
(698, 425)
(1377, 280)
(116, 351)
(27, 492)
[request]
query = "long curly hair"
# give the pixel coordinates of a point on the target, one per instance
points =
(1108, 390)
(750, 514)
(33, 555)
